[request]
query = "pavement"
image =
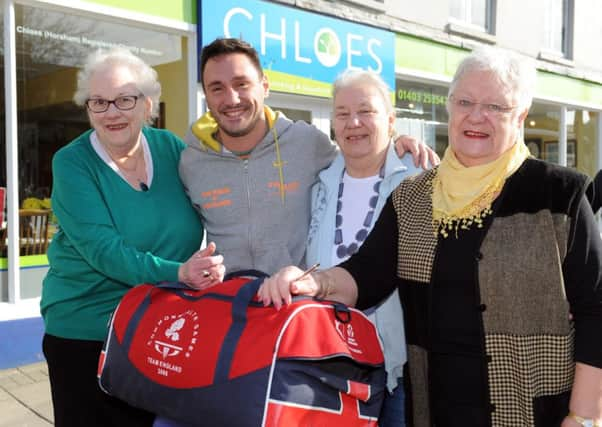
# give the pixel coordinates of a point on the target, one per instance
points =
(25, 396)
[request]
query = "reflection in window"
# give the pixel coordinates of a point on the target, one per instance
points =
(542, 131)
(3, 156)
(542, 136)
(421, 112)
(3, 164)
(582, 132)
(51, 47)
(475, 13)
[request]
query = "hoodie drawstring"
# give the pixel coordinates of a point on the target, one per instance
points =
(278, 164)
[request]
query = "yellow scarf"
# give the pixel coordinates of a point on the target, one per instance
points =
(462, 196)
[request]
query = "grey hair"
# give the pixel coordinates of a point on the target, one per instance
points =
(355, 77)
(146, 79)
(516, 72)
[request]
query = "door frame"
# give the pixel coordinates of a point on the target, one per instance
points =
(320, 108)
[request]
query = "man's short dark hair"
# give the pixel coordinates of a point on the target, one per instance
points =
(225, 46)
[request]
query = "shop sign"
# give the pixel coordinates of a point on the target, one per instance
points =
(421, 101)
(301, 52)
(420, 96)
(57, 38)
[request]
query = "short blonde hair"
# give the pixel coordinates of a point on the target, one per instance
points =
(354, 77)
(146, 78)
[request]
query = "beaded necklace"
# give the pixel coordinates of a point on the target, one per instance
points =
(343, 251)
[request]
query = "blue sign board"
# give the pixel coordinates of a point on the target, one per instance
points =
(301, 52)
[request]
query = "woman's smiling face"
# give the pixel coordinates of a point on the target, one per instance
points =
(478, 132)
(117, 129)
(362, 123)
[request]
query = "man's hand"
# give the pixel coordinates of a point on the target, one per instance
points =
(423, 155)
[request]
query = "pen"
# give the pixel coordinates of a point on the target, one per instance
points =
(308, 271)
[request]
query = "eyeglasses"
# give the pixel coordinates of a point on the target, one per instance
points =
(123, 103)
(344, 116)
(467, 106)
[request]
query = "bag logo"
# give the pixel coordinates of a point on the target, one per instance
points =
(167, 349)
(174, 335)
(347, 334)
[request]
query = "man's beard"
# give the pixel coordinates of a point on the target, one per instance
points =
(240, 132)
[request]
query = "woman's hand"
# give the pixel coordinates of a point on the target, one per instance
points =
(586, 394)
(202, 269)
(282, 286)
(423, 155)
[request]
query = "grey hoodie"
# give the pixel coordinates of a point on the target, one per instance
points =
(239, 200)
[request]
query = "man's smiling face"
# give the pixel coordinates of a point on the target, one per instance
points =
(235, 91)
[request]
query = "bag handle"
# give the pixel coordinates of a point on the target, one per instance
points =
(246, 273)
(178, 287)
(173, 285)
(132, 325)
(240, 304)
(257, 274)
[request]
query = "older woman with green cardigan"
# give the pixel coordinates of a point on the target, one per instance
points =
(124, 219)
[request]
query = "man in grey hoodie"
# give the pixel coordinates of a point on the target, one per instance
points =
(249, 170)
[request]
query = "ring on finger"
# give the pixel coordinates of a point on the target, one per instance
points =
(206, 273)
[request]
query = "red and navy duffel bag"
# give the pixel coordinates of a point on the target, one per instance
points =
(218, 357)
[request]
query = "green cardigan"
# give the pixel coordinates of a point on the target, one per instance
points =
(111, 236)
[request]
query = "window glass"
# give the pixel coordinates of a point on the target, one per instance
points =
(542, 131)
(51, 47)
(3, 167)
(478, 13)
(456, 9)
(582, 131)
(3, 156)
(556, 26)
(420, 110)
(542, 135)
(470, 12)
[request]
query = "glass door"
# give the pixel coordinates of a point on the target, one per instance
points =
(312, 110)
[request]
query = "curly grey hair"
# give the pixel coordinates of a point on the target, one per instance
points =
(146, 77)
(516, 72)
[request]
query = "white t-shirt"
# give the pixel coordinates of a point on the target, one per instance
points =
(355, 200)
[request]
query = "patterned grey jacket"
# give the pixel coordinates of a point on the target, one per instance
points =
(539, 260)
(530, 292)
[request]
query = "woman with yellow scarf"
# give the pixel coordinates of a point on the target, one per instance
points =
(498, 263)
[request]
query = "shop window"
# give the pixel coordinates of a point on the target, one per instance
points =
(421, 112)
(3, 170)
(3, 153)
(476, 14)
(51, 47)
(582, 133)
(557, 37)
(542, 136)
(542, 131)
